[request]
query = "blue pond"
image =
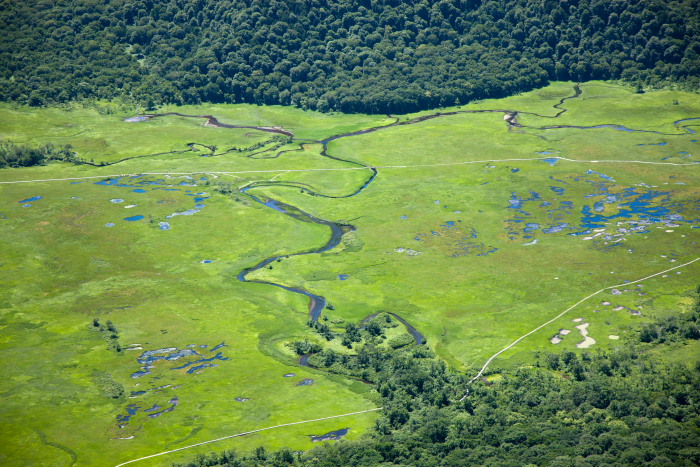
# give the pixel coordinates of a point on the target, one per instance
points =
(150, 357)
(343, 277)
(116, 200)
(524, 223)
(514, 170)
(207, 261)
(188, 212)
(133, 218)
(109, 182)
(606, 177)
(175, 401)
(131, 410)
(29, 200)
(550, 160)
(556, 228)
(109, 224)
(637, 214)
(139, 190)
(164, 225)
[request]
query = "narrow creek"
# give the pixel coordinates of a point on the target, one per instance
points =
(317, 302)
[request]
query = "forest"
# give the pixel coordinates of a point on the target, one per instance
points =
(371, 56)
(21, 155)
(618, 407)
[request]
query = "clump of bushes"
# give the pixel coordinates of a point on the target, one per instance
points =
(20, 155)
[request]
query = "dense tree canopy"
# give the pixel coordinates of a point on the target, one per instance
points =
(617, 408)
(621, 407)
(19, 155)
(355, 56)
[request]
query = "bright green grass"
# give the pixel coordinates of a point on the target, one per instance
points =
(304, 124)
(480, 303)
(64, 267)
(61, 267)
(601, 103)
(110, 139)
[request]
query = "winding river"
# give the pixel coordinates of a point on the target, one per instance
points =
(317, 302)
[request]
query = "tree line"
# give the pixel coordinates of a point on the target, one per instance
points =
(22, 155)
(373, 56)
(624, 406)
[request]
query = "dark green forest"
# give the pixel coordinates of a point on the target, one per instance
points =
(20, 155)
(374, 56)
(620, 407)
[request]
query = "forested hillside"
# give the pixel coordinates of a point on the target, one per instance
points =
(354, 56)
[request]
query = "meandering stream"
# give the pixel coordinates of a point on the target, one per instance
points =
(317, 302)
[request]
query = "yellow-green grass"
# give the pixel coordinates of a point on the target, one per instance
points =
(471, 306)
(61, 267)
(602, 103)
(304, 124)
(108, 138)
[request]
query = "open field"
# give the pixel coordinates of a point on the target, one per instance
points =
(473, 232)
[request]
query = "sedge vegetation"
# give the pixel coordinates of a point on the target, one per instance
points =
(121, 283)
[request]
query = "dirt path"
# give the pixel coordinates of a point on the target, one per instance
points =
(246, 433)
(493, 357)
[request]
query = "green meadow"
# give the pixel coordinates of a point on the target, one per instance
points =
(472, 232)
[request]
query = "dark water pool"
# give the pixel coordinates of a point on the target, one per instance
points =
(330, 436)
